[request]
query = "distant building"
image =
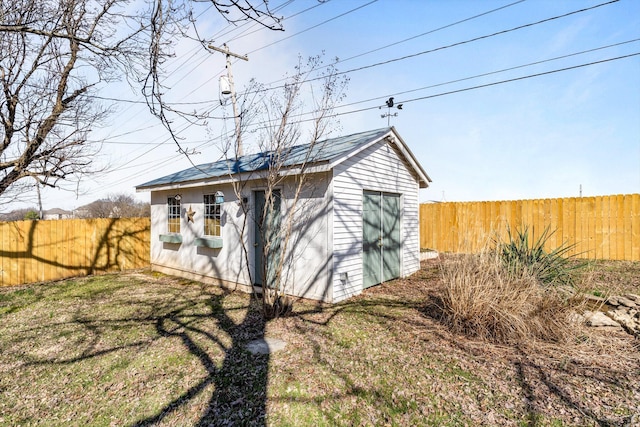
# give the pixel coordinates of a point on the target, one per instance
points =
(57, 213)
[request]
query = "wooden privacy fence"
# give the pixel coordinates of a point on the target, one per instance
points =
(39, 251)
(604, 227)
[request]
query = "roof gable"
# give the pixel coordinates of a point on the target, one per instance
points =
(330, 151)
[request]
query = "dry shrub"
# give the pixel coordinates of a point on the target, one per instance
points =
(483, 299)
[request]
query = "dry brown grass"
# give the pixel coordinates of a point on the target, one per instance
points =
(139, 349)
(482, 299)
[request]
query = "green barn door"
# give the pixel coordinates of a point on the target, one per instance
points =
(266, 232)
(390, 237)
(371, 238)
(380, 237)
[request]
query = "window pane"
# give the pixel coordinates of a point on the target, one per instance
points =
(173, 222)
(212, 216)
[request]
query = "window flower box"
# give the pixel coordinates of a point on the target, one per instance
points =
(209, 242)
(171, 238)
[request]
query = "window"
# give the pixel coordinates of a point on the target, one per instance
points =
(173, 223)
(212, 205)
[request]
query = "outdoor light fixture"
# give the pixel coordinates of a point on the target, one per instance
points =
(219, 197)
(177, 197)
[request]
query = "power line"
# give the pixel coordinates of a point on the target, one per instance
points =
(515, 79)
(492, 72)
(278, 41)
(486, 36)
(314, 26)
(424, 52)
(109, 141)
(267, 124)
(263, 124)
(431, 31)
(141, 101)
(465, 78)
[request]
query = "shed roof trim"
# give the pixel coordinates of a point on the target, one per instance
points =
(330, 151)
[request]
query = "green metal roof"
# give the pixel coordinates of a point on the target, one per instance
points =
(322, 152)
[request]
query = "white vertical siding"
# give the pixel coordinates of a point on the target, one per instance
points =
(378, 168)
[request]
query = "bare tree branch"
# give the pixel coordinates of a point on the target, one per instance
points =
(56, 54)
(283, 192)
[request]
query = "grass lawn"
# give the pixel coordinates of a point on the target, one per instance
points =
(137, 348)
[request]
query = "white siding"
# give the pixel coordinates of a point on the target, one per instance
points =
(226, 263)
(307, 269)
(378, 168)
(307, 263)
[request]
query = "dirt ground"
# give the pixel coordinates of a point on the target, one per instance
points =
(592, 379)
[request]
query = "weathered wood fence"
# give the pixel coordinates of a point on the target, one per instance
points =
(605, 227)
(38, 251)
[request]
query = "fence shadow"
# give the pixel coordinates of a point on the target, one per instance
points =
(39, 251)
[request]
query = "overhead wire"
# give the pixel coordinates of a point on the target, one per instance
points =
(313, 26)
(493, 72)
(486, 74)
(216, 75)
(451, 92)
(264, 125)
(268, 87)
(469, 41)
(143, 102)
(419, 53)
(444, 27)
(475, 39)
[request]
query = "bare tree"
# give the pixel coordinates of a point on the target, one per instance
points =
(284, 177)
(18, 214)
(55, 55)
(115, 206)
(125, 206)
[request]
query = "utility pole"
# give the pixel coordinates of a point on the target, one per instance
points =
(233, 92)
(40, 211)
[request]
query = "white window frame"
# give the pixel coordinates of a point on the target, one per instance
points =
(174, 211)
(212, 212)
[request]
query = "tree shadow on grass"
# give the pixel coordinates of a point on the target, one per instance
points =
(544, 379)
(239, 383)
(207, 323)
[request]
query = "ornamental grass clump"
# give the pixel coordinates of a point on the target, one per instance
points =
(484, 299)
(522, 255)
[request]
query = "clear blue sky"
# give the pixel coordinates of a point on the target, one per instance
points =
(537, 137)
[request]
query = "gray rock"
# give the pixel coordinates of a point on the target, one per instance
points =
(265, 345)
(598, 319)
(626, 302)
(623, 318)
(613, 301)
(593, 298)
(633, 297)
